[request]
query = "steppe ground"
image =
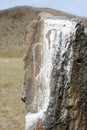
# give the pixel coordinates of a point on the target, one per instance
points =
(12, 110)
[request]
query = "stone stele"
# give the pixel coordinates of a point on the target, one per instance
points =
(55, 74)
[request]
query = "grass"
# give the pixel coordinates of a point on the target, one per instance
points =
(12, 110)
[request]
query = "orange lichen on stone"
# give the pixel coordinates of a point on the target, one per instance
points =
(39, 126)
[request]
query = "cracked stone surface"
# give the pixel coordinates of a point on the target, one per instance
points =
(55, 74)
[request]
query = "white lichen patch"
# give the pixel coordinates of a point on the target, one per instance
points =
(32, 119)
(57, 38)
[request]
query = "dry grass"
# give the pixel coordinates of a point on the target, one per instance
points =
(11, 107)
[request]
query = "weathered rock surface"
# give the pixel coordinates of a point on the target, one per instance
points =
(55, 83)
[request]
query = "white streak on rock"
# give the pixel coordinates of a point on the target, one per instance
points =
(50, 46)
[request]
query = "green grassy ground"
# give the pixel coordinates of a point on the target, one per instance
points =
(12, 110)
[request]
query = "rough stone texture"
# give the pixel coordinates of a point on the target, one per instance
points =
(55, 78)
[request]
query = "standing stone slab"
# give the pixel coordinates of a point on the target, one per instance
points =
(55, 69)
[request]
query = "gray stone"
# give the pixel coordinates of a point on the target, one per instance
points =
(55, 83)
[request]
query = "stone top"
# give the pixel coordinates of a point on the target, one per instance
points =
(45, 15)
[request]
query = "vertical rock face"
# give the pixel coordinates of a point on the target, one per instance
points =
(55, 83)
